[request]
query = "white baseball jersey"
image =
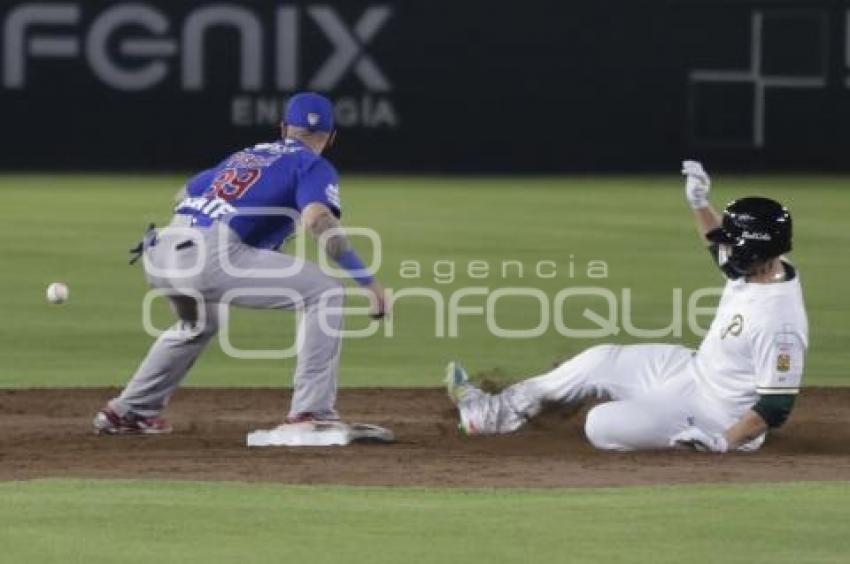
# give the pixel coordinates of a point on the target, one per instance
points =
(756, 343)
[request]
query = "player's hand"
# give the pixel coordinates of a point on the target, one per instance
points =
(697, 439)
(380, 304)
(697, 185)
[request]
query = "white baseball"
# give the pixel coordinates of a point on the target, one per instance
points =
(57, 293)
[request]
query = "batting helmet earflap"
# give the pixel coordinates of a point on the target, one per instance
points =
(756, 229)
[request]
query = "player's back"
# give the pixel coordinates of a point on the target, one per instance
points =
(258, 191)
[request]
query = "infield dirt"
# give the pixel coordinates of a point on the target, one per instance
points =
(47, 433)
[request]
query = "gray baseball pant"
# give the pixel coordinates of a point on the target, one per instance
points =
(199, 285)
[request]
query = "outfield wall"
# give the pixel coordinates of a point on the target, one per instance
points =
(437, 86)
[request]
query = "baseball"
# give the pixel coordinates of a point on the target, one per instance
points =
(57, 293)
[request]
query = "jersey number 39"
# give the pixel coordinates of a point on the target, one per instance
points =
(231, 184)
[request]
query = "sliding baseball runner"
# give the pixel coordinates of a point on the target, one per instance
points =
(724, 396)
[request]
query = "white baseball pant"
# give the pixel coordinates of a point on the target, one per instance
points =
(654, 395)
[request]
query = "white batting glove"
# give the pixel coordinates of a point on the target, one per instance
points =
(697, 439)
(697, 185)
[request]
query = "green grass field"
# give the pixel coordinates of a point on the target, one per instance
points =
(77, 229)
(141, 522)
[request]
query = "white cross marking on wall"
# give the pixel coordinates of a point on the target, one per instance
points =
(760, 82)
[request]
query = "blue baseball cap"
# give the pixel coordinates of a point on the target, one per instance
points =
(311, 111)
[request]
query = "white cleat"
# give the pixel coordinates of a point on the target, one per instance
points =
(457, 382)
(464, 395)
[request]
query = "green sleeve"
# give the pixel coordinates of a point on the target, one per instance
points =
(775, 408)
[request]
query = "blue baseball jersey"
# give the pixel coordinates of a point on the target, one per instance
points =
(245, 187)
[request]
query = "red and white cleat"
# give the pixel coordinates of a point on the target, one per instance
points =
(307, 416)
(107, 422)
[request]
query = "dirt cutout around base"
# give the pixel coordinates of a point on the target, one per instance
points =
(47, 433)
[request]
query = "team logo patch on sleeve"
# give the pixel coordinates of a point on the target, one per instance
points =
(786, 369)
(783, 362)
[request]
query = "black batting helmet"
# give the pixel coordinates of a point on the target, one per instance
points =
(755, 230)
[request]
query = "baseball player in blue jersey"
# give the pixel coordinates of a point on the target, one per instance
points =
(221, 248)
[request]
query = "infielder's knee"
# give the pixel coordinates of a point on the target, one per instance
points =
(329, 291)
